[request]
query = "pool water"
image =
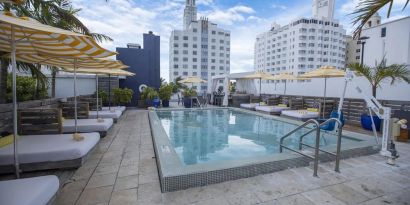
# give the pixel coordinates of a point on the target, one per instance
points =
(215, 135)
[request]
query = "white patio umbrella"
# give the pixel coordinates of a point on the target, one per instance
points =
(286, 77)
(28, 36)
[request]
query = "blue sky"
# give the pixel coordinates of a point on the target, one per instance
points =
(126, 20)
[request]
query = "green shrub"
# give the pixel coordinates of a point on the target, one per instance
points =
(165, 92)
(149, 93)
(103, 95)
(189, 92)
(26, 89)
(122, 95)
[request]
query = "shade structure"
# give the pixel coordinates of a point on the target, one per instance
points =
(22, 36)
(261, 75)
(324, 72)
(192, 79)
(284, 76)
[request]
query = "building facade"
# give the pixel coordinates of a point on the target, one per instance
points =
(303, 44)
(201, 49)
(144, 62)
(390, 40)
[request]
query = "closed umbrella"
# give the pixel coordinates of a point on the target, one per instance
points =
(22, 36)
(325, 72)
(261, 75)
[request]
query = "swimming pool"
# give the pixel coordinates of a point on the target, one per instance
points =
(195, 147)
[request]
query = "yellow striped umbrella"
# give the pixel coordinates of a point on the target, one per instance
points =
(324, 72)
(260, 75)
(192, 79)
(284, 76)
(68, 63)
(23, 36)
(30, 36)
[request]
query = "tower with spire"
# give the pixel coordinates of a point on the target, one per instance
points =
(190, 13)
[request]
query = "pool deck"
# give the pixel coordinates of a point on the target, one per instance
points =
(122, 170)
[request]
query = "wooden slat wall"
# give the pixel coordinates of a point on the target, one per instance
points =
(40, 121)
(92, 102)
(68, 110)
(6, 111)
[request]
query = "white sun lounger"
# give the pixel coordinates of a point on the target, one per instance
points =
(300, 114)
(120, 108)
(29, 191)
(249, 106)
(39, 152)
(88, 125)
(271, 109)
(116, 114)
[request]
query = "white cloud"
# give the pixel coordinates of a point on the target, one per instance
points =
(279, 6)
(228, 16)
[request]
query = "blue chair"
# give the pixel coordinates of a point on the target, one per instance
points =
(331, 126)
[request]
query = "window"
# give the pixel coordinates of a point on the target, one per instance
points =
(185, 73)
(175, 45)
(358, 50)
(194, 60)
(175, 51)
(213, 61)
(194, 66)
(195, 30)
(194, 73)
(176, 38)
(185, 52)
(195, 38)
(185, 59)
(185, 38)
(194, 46)
(176, 59)
(383, 34)
(175, 73)
(185, 45)
(194, 53)
(176, 66)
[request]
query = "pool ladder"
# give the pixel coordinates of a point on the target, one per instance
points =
(316, 128)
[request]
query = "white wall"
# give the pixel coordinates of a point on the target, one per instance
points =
(399, 91)
(65, 85)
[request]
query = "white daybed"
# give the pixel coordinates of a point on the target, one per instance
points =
(88, 125)
(39, 152)
(271, 109)
(249, 106)
(29, 191)
(300, 114)
(120, 108)
(115, 114)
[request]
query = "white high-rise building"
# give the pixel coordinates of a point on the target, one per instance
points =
(303, 44)
(200, 49)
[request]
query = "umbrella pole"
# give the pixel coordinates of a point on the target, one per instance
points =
(324, 100)
(109, 92)
(286, 81)
(260, 88)
(15, 134)
(96, 88)
(75, 95)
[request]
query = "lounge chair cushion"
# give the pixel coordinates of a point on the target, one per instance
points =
(29, 191)
(4, 141)
(120, 108)
(271, 109)
(300, 114)
(87, 125)
(249, 105)
(49, 148)
(105, 114)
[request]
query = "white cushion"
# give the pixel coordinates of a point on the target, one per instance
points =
(105, 114)
(29, 191)
(120, 108)
(249, 105)
(87, 125)
(48, 148)
(271, 108)
(300, 114)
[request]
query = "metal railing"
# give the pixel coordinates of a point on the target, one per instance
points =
(317, 142)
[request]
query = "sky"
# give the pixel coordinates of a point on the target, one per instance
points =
(126, 20)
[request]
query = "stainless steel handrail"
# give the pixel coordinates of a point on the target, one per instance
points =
(316, 156)
(339, 141)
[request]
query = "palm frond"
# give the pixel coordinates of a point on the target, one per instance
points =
(366, 9)
(363, 70)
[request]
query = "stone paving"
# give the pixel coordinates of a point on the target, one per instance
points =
(122, 170)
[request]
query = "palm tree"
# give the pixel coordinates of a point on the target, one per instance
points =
(367, 8)
(382, 72)
(57, 13)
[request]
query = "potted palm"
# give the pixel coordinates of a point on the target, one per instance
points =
(188, 93)
(150, 96)
(165, 92)
(376, 75)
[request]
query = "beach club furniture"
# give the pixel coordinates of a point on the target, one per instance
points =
(29, 191)
(249, 106)
(303, 115)
(113, 114)
(50, 151)
(273, 110)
